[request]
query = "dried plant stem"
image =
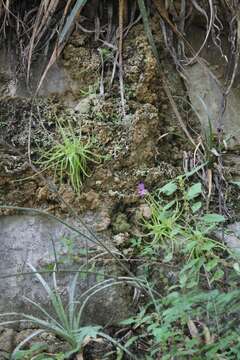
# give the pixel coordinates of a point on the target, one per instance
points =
(122, 4)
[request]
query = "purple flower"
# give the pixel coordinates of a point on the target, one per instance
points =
(141, 189)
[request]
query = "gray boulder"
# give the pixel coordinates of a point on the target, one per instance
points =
(231, 236)
(205, 94)
(39, 240)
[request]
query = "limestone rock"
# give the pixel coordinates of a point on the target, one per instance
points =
(206, 97)
(29, 239)
(120, 238)
(91, 199)
(4, 355)
(103, 222)
(84, 105)
(231, 236)
(121, 225)
(6, 340)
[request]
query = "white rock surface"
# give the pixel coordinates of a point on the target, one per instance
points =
(206, 97)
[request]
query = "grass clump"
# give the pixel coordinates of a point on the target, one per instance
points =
(69, 158)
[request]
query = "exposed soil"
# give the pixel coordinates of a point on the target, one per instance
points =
(146, 146)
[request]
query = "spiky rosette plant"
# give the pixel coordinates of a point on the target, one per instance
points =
(64, 321)
(69, 158)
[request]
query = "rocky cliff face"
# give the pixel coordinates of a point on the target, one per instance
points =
(147, 145)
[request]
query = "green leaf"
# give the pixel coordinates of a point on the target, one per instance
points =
(27, 354)
(128, 321)
(91, 331)
(169, 205)
(194, 170)
(209, 245)
(80, 335)
(183, 279)
(192, 282)
(235, 183)
(100, 276)
(196, 206)
(211, 264)
(236, 267)
(161, 334)
(131, 341)
(217, 275)
(168, 258)
(42, 357)
(213, 218)
(169, 188)
(194, 191)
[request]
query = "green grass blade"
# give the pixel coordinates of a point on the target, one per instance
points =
(39, 307)
(41, 279)
(71, 302)
(117, 344)
(25, 341)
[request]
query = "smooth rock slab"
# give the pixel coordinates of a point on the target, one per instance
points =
(206, 97)
(231, 236)
(29, 239)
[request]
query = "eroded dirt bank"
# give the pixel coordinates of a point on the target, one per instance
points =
(147, 145)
